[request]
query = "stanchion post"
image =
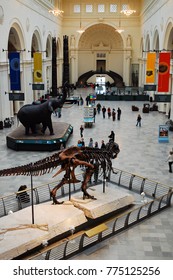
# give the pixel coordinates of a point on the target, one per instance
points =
(32, 199)
(69, 186)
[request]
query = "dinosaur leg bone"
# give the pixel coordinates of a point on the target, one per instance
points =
(87, 177)
(57, 187)
(70, 176)
(54, 190)
(75, 163)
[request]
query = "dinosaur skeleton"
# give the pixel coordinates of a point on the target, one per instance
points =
(94, 159)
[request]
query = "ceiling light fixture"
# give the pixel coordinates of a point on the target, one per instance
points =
(80, 30)
(56, 12)
(126, 10)
(119, 29)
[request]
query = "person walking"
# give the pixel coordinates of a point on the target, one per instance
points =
(87, 99)
(113, 115)
(104, 111)
(118, 114)
(81, 130)
(81, 101)
(109, 112)
(98, 108)
(170, 161)
(95, 112)
(138, 120)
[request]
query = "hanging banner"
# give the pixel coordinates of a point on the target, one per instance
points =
(150, 68)
(38, 67)
(164, 69)
(14, 60)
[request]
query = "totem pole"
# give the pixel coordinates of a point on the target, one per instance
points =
(66, 61)
(54, 68)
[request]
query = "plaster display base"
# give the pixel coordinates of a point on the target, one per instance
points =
(18, 234)
(107, 202)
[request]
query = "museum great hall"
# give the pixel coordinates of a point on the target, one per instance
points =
(102, 37)
(126, 44)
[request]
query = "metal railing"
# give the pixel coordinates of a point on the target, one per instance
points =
(80, 242)
(139, 184)
(132, 182)
(158, 194)
(17, 201)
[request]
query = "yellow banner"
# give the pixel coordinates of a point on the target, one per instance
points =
(38, 67)
(150, 69)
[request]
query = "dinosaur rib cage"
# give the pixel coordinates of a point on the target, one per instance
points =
(100, 158)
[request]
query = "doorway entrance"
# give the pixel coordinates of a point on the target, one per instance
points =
(101, 65)
(100, 85)
(100, 80)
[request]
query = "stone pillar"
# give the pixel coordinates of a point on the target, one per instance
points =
(140, 72)
(72, 41)
(59, 69)
(73, 67)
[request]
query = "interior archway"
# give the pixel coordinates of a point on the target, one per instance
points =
(15, 43)
(13, 40)
(100, 35)
(102, 49)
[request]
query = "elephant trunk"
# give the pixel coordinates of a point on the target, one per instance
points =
(58, 103)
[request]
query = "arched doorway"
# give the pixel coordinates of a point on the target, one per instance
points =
(116, 79)
(15, 45)
(101, 51)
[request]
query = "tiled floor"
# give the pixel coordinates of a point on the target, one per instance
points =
(141, 153)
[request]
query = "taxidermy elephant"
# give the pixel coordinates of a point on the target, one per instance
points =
(31, 115)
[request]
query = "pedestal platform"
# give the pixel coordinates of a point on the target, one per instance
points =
(106, 203)
(53, 222)
(18, 235)
(17, 140)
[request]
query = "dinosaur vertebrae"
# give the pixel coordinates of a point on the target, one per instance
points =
(37, 168)
(100, 157)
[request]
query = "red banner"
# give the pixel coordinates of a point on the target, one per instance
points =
(164, 69)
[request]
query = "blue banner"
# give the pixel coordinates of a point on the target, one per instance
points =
(14, 59)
